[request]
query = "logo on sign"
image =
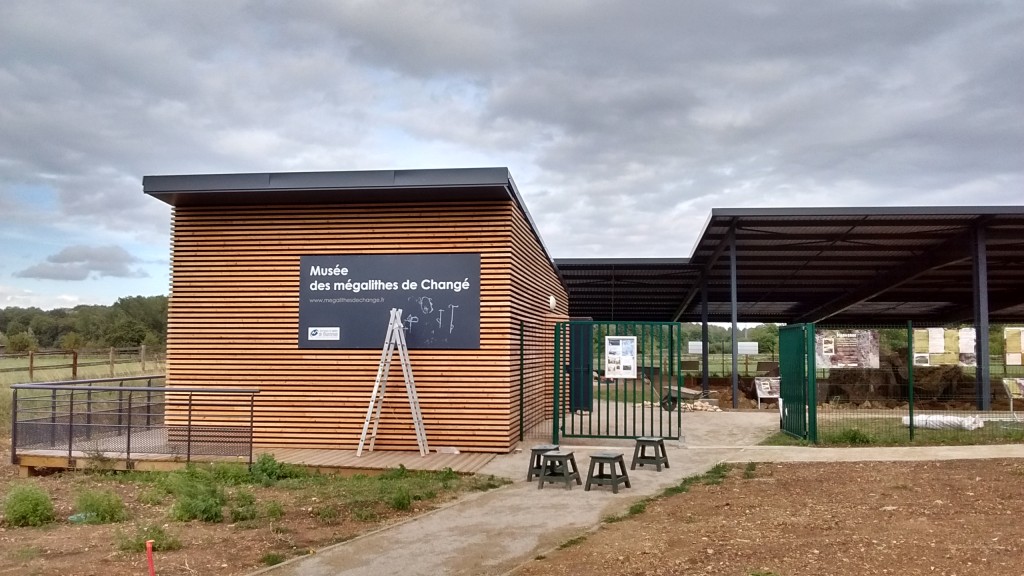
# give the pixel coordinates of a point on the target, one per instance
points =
(324, 333)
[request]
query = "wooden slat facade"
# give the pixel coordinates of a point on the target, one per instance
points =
(233, 322)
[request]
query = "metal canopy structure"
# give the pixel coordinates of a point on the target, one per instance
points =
(634, 289)
(852, 265)
(831, 265)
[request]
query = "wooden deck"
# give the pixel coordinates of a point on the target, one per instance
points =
(32, 462)
(347, 461)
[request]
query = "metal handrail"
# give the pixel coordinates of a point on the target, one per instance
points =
(73, 383)
(60, 411)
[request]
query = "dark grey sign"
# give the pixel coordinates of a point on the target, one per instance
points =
(346, 301)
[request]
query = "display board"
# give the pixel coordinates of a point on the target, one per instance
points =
(345, 300)
(620, 356)
(944, 347)
(1014, 337)
(846, 348)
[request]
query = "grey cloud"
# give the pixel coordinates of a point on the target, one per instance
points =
(81, 262)
(629, 120)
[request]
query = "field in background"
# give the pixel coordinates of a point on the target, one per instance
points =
(60, 366)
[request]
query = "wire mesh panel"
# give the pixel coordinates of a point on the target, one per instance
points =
(897, 384)
(617, 379)
(94, 419)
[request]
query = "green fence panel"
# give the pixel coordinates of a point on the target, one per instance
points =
(793, 379)
(592, 400)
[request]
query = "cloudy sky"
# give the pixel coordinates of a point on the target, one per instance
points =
(623, 123)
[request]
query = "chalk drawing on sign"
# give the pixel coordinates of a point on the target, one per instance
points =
(409, 321)
(451, 317)
(426, 304)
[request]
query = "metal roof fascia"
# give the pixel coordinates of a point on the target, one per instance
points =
(870, 211)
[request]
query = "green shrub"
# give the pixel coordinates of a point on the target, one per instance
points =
(852, 436)
(267, 470)
(401, 499)
(100, 507)
(243, 507)
(28, 505)
(199, 501)
(136, 542)
(274, 510)
(328, 514)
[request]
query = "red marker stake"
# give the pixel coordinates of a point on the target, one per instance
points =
(149, 557)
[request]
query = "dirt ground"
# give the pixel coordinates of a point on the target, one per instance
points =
(221, 549)
(937, 518)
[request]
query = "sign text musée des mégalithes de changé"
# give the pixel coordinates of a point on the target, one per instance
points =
(346, 301)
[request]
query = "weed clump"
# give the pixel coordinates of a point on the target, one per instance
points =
(136, 541)
(100, 507)
(28, 505)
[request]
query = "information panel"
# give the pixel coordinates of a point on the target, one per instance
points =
(346, 301)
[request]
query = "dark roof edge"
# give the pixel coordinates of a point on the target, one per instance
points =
(357, 179)
(868, 211)
(622, 261)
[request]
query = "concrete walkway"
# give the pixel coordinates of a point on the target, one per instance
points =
(493, 532)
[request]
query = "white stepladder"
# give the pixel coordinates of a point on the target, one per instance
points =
(395, 339)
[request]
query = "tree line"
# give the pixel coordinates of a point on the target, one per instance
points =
(131, 321)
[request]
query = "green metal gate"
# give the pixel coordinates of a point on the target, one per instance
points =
(798, 387)
(617, 379)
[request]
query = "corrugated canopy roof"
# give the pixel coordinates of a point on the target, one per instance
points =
(837, 265)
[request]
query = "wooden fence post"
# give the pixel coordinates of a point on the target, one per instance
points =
(111, 361)
(142, 357)
(74, 364)
(31, 364)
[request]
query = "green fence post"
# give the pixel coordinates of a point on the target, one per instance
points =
(910, 376)
(812, 387)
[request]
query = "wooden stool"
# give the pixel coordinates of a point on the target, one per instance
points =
(641, 457)
(558, 466)
(535, 464)
(614, 477)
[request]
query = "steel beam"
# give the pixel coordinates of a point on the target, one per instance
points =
(980, 269)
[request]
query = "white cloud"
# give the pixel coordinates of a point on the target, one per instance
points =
(83, 262)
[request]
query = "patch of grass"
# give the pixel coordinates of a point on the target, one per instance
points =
(327, 513)
(572, 542)
(26, 553)
(243, 507)
(762, 573)
(365, 514)
(848, 436)
(274, 510)
(272, 559)
(28, 505)
(153, 496)
(783, 439)
(100, 507)
(483, 484)
(638, 508)
(199, 501)
(401, 499)
(717, 474)
(266, 470)
(136, 541)
(748, 470)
